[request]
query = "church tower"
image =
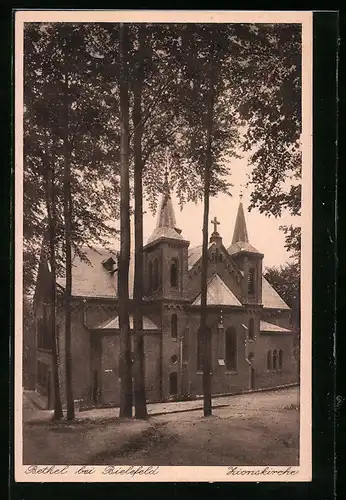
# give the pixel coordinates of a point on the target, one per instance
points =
(166, 254)
(248, 259)
(166, 273)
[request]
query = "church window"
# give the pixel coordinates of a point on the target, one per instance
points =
(174, 273)
(173, 383)
(150, 276)
(251, 329)
(251, 281)
(220, 257)
(155, 278)
(174, 326)
(174, 359)
(275, 357)
(269, 360)
(281, 358)
(231, 349)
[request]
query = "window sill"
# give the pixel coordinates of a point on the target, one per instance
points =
(199, 372)
(231, 372)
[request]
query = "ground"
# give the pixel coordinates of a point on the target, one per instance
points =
(251, 429)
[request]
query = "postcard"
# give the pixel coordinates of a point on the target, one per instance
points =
(163, 246)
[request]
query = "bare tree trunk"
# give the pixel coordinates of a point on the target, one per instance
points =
(206, 333)
(68, 256)
(124, 325)
(139, 372)
(50, 204)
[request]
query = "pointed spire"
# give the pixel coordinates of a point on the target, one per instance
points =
(166, 222)
(240, 231)
(166, 217)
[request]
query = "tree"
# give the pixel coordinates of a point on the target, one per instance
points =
(52, 238)
(64, 103)
(139, 373)
(286, 281)
(124, 325)
(271, 108)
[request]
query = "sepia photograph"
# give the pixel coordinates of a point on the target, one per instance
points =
(163, 180)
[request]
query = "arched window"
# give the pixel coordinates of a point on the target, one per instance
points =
(173, 383)
(275, 356)
(251, 329)
(174, 326)
(155, 278)
(269, 360)
(150, 276)
(231, 348)
(174, 273)
(281, 358)
(251, 281)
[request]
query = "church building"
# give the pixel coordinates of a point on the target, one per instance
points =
(250, 324)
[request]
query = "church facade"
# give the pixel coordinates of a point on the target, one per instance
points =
(249, 323)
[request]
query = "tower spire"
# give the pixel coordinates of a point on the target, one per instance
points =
(166, 222)
(240, 230)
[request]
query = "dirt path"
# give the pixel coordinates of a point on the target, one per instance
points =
(255, 429)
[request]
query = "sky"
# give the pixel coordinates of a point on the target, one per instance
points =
(263, 231)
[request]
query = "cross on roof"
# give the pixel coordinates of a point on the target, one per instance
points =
(216, 223)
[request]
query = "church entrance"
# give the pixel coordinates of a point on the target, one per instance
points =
(173, 384)
(110, 382)
(252, 377)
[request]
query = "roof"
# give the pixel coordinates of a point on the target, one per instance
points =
(166, 226)
(270, 298)
(89, 277)
(270, 328)
(164, 232)
(113, 324)
(195, 253)
(241, 246)
(218, 294)
(240, 231)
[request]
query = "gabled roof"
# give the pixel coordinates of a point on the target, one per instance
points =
(270, 298)
(271, 328)
(91, 279)
(195, 253)
(218, 294)
(113, 324)
(241, 246)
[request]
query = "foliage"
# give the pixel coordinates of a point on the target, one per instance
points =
(286, 281)
(92, 140)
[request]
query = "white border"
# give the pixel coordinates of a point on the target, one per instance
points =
(181, 473)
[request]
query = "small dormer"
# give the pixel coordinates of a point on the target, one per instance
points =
(110, 265)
